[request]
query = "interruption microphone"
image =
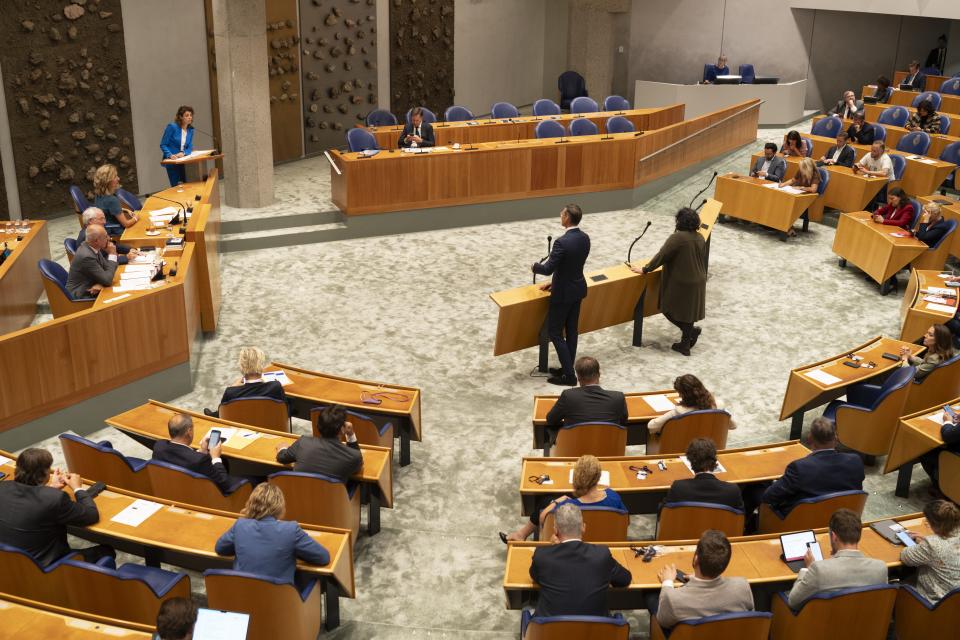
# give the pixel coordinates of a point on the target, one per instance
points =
(175, 219)
(216, 143)
(549, 247)
(630, 250)
(700, 206)
(699, 193)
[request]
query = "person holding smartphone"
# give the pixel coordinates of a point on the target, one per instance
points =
(178, 450)
(937, 556)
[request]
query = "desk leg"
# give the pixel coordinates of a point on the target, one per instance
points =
(638, 321)
(404, 447)
(152, 557)
(373, 512)
(332, 602)
(543, 365)
(796, 425)
(904, 476)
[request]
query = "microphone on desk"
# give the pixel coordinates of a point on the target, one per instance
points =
(216, 143)
(176, 218)
(630, 250)
(699, 193)
(549, 247)
(699, 206)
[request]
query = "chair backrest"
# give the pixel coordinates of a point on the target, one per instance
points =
(381, 118)
(899, 165)
(364, 427)
(428, 116)
(742, 625)
(317, 499)
(503, 110)
(594, 438)
(619, 124)
(824, 180)
(917, 210)
(827, 127)
(895, 116)
(79, 199)
(21, 575)
(550, 129)
(879, 132)
(747, 74)
(603, 524)
(172, 482)
(55, 285)
(688, 520)
(129, 200)
(811, 513)
(70, 247)
(277, 609)
(583, 127)
(101, 462)
(581, 627)
(546, 107)
(936, 256)
(456, 113)
(269, 413)
(809, 146)
(861, 612)
(616, 103)
(951, 153)
(937, 387)
(915, 142)
(951, 87)
(945, 123)
(932, 96)
(706, 71)
(360, 140)
(583, 104)
(916, 618)
(870, 431)
(571, 85)
(679, 431)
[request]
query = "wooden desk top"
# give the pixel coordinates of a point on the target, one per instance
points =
(895, 133)
(802, 389)
(763, 184)
(324, 388)
(915, 162)
(21, 618)
(933, 82)
(638, 409)
(150, 421)
(182, 258)
(949, 104)
(917, 434)
(186, 195)
(20, 282)
(756, 558)
(922, 279)
(11, 235)
(885, 230)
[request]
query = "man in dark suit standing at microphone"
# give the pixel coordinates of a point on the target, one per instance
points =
(567, 290)
(417, 133)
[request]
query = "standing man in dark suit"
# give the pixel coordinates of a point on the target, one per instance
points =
(416, 133)
(587, 403)
(937, 57)
(326, 455)
(93, 267)
(574, 575)
(840, 154)
(825, 470)
(178, 451)
(704, 486)
(35, 511)
(567, 289)
(914, 78)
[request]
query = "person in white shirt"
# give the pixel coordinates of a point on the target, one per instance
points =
(876, 164)
(693, 397)
(840, 154)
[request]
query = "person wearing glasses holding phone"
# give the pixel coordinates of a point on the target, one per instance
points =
(179, 451)
(937, 556)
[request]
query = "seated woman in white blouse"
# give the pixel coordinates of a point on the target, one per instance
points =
(693, 397)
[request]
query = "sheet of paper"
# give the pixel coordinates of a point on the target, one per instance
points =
(136, 513)
(139, 268)
(940, 307)
(195, 154)
(941, 291)
(936, 299)
(5, 460)
(792, 190)
(770, 185)
(659, 402)
(441, 149)
(225, 433)
(165, 211)
(899, 234)
(717, 469)
(279, 376)
(822, 376)
(939, 417)
(242, 439)
(131, 287)
(604, 478)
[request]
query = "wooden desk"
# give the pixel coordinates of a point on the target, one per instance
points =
(847, 191)
(182, 257)
(870, 246)
(20, 282)
(933, 83)
(311, 388)
(950, 211)
(747, 198)
(523, 127)
(916, 314)
(756, 558)
(804, 393)
(614, 295)
(938, 141)
(148, 423)
(742, 466)
(949, 104)
(916, 434)
(530, 168)
(22, 618)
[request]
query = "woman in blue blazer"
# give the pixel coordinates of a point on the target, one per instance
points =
(177, 142)
(266, 545)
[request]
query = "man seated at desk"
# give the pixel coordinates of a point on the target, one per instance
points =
(326, 455)
(770, 166)
(914, 79)
(417, 133)
(704, 486)
(861, 131)
(925, 118)
(840, 154)
(719, 69)
(95, 215)
(876, 164)
(588, 402)
(178, 451)
(94, 265)
(847, 105)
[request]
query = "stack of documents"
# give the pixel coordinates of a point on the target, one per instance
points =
(136, 277)
(196, 154)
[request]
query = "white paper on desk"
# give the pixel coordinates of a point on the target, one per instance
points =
(927, 160)
(165, 212)
(914, 158)
(195, 154)
(940, 307)
(143, 260)
(822, 376)
(793, 191)
(659, 402)
(440, 149)
(604, 478)
(136, 513)
(242, 439)
(936, 299)
(225, 434)
(279, 376)
(139, 268)
(717, 469)
(135, 281)
(940, 417)
(5, 460)
(941, 291)
(120, 288)
(770, 185)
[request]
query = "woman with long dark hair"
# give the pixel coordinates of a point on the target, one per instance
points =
(177, 142)
(694, 396)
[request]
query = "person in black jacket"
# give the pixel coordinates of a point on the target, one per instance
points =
(587, 403)
(35, 511)
(931, 225)
(326, 455)
(704, 486)
(417, 133)
(861, 131)
(574, 575)
(840, 154)
(915, 78)
(178, 450)
(567, 289)
(251, 361)
(930, 461)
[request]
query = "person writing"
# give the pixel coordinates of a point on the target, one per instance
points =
(939, 343)
(937, 556)
(840, 154)
(105, 185)
(683, 284)
(847, 105)
(416, 133)
(770, 166)
(932, 226)
(898, 211)
(719, 69)
(861, 131)
(177, 142)
(925, 118)
(693, 397)
(794, 145)
(807, 180)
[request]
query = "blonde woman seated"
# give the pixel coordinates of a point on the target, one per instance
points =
(586, 491)
(693, 397)
(106, 181)
(251, 384)
(937, 556)
(806, 180)
(264, 543)
(939, 343)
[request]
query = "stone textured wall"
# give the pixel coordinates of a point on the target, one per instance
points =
(65, 77)
(283, 40)
(339, 63)
(421, 55)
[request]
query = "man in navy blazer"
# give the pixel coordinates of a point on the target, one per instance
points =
(914, 78)
(417, 133)
(704, 486)
(567, 289)
(840, 154)
(825, 470)
(178, 451)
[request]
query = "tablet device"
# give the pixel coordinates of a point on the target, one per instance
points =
(794, 547)
(906, 539)
(220, 625)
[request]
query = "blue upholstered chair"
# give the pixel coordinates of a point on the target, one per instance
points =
(951, 153)
(546, 107)
(594, 438)
(887, 94)
(810, 513)
(571, 85)
(258, 411)
(277, 609)
(743, 625)
(680, 430)
(603, 524)
(863, 612)
(936, 255)
(867, 419)
(895, 116)
(747, 74)
(129, 200)
(360, 140)
(827, 127)
(936, 388)
(503, 110)
(932, 96)
(815, 210)
(688, 520)
(550, 129)
(616, 103)
(55, 284)
(915, 142)
(916, 618)
(879, 132)
(951, 87)
(428, 116)
(565, 627)
(100, 461)
(314, 498)
(583, 127)
(173, 482)
(583, 104)
(917, 210)
(364, 427)
(945, 123)
(899, 165)
(809, 146)
(457, 113)
(79, 200)
(70, 247)
(619, 124)
(381, 118)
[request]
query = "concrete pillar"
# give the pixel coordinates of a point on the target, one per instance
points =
(592, 42)
(240, 38)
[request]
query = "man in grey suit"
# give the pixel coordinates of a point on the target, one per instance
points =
(847, 106)
(326, 455)
(846, 567)
(770, 166)
(94, 264)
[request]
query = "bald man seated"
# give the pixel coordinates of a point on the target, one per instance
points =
(94, 264)
(95, 215)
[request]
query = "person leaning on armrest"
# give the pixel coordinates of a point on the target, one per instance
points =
(770, 166)
(932, 226)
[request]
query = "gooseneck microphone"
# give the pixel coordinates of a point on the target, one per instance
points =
(175, 219)
(699, 193)
(216, 143)
(540, 261)
(630, 250)
(700, 206)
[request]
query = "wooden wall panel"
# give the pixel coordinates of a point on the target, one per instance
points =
(283, 40)
(421, 55)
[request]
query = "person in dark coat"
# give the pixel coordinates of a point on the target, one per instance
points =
(683, 284)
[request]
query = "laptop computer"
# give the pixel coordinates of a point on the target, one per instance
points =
(870, 100)
(728, 79)
(907, 87)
